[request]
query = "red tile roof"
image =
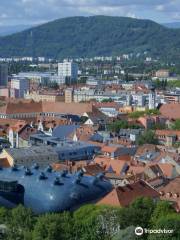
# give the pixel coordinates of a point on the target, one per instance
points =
(123, 196)
(109, 149)
(167, 132)
(38, 107)
(171, 192)
(171, 110)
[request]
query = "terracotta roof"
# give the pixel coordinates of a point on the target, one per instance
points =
(106, 104)
(136, 169)
(173, 186)
(67, 108)
(167, 169)
(171, 110)
(26, 132)
(155, 168)
(109, 149)
(38, 107)
(21, 107)
(123, 196)
(93, 169)
(11, 122)
(171, 192)
(145, 148)
(114, 165)
(167, 132)
(59, 166)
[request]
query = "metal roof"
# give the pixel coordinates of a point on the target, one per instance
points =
(51, 191)
(64, 131)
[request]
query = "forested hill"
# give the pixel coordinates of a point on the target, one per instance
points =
(93, 36)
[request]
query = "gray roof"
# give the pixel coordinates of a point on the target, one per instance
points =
(64, 131)
(44, 155)
(31, 151)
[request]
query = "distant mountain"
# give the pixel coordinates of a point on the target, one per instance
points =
(172, 25)
(94, 36)
(8, 30)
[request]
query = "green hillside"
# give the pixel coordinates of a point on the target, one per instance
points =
(93, 36)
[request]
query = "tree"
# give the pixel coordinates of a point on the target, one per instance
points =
(148, 112)
(20, 224)
(117, 125)
(121, 124)
(106, 100)
(176, 125)
(86, 223)
(141, 210)
(168, 222)
(4, 215)
(126, 234)
(55, 226)
(162, 208)
(96, 222)
(147, 137)
(158, 126)
(137, 114)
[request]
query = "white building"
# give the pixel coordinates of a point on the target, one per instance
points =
(22, 86)
(152, 100)
(141, 100)
(68, 70)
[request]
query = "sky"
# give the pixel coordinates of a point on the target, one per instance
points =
(34, 12)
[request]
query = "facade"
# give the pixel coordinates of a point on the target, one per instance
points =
(3, 75)
(141, 100)
(68, 95)
(69, 71)
(4, 92)
(162, 73)
(22, 86)
(37, 97)
(152, 99)
(60, 80)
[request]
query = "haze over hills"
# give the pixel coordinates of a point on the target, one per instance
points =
(8, 30)
(172, 25)
(93, 36)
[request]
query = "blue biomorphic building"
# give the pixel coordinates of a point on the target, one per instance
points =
(49, 191)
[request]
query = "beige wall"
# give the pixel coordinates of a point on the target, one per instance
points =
(4, 154)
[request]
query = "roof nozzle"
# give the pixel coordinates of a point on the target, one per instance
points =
(57, 181)
(35, 166)
(42, 176)
(64, 173)
(49, 169)
(28, 172)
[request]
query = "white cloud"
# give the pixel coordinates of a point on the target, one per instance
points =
(160, 8)
(33, 11)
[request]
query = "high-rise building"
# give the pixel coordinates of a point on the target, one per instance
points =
(68, 71)
(141, 100)
(3, 75)
(152, 99)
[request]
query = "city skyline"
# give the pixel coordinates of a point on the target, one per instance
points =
(31, 12)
